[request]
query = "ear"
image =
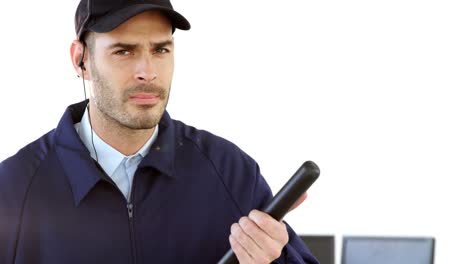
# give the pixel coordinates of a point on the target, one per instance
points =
(76, 53)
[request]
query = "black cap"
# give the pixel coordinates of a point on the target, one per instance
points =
(105, 15)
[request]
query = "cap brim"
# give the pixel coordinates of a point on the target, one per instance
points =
(110, 21)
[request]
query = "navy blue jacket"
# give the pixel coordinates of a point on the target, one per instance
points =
(58, 206)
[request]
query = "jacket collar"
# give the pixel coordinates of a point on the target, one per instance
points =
(80, 168)
(162, 153)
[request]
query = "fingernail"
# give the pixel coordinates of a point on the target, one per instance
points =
(254, 215)
(232, 228)
(243, 221)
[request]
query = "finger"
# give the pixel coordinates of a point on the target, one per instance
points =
(247, 243)
(273, 228)
(242, 255)
(270, 249)
(299, 201)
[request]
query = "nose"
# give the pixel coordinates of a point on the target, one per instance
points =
(145, 70)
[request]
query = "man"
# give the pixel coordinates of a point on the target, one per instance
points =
(118, 180)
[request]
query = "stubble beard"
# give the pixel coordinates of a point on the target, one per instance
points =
(119, 111)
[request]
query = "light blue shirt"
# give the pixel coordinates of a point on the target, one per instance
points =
(119, 167)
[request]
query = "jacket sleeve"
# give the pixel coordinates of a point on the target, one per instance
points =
(16, 175)
(295, 252)
(11, 187)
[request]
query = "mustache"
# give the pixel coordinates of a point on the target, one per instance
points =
(146, 88)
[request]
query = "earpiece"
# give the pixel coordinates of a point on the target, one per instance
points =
(81, 65)
(80, 62)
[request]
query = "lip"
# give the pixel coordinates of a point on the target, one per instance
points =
(145, 98)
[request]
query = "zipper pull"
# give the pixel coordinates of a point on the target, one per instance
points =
(130, 210)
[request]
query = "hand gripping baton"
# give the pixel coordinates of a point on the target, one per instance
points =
(297, 185)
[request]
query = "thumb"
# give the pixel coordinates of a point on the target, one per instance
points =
(299, 201)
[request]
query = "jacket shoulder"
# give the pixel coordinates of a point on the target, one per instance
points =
(239, 173)
(216, 148)
(17, 170)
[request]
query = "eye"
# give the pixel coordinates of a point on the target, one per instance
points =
(122, 52)
(162, 50)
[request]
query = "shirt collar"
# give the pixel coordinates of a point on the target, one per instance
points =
(108, 157)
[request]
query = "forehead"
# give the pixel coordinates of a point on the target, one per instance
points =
(150, 26)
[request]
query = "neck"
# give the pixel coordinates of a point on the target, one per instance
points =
(125, 140)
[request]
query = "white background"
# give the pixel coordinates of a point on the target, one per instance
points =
(373, 91)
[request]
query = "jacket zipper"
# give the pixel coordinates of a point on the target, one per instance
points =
(130, 211)
(131, 223)
(132, 231)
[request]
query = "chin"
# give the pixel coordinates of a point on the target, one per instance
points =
(146, 122)
(141, 124)
(143, 116)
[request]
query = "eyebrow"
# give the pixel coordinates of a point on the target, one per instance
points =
(130, 46)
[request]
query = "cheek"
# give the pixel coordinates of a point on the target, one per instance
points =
(117, 78)
(167, 69)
